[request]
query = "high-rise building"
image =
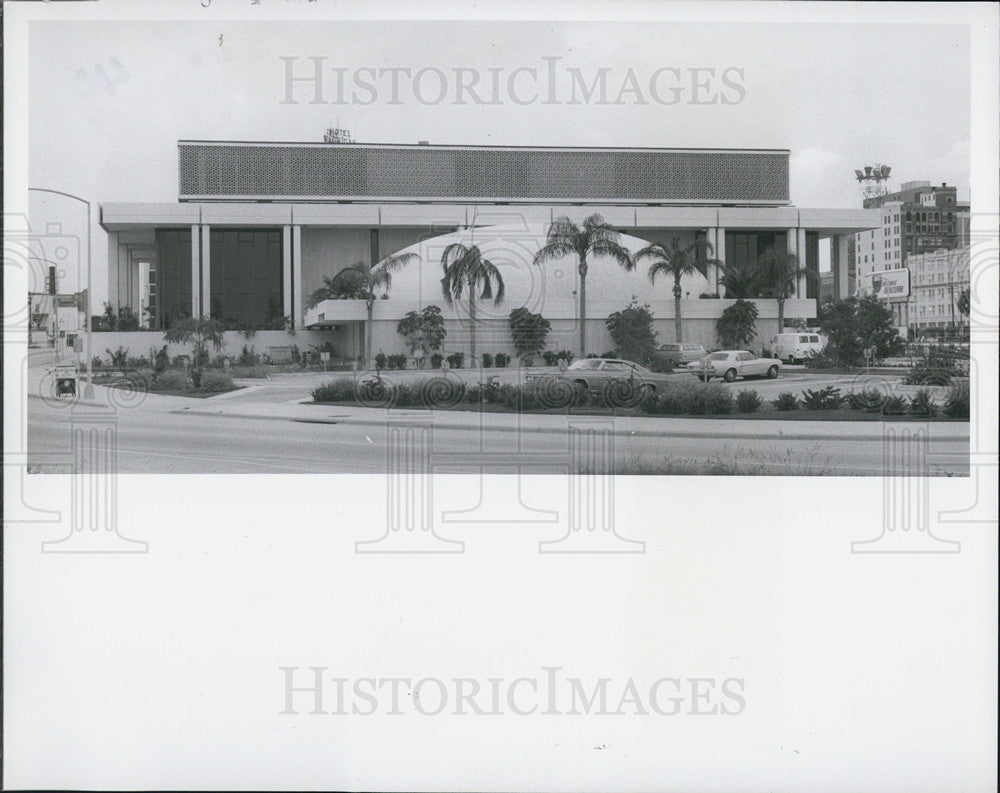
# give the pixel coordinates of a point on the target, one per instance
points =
(916, 219)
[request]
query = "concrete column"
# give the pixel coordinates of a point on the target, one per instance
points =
(720, 254)
(838, 258)
(113, 270)
(286, 269)
(195, 271)
(206, 271)
(298, 307)
(802, 253)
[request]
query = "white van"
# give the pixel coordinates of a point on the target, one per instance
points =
(798, 346)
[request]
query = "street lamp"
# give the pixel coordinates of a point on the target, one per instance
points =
(88, 391)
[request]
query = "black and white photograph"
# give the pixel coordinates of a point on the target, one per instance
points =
(468, 396)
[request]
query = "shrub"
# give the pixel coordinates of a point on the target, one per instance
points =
(248, 357)
(501, 359)
(436, 359)
(748, 401)
(145, 379)
(609, 354)
(737, 326)
(894, 406)
(718, 398)
(118, 358)
(406, 394)
(487, 360)
(786, 401)
(162, 360)
(214, 381)
(396, 361)
(937, 367)
(632, 331)
(529, 331)
(456, 359)
(921, 404)
(172, 380)
(564, 355)
(828, 398)
(821, 360)
(338, 390)
(380, 360)
(869, 399)
(549, 358)
(956, 406)
(96, 362)
(423, 331)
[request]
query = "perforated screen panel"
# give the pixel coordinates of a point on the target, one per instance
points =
(355, 171)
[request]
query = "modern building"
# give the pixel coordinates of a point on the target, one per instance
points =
(918, 218)
(937, 281)
(258, 225)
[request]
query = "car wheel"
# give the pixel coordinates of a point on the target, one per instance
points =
(729, 376)
(581, 386)
(646, 391)
(772, 372)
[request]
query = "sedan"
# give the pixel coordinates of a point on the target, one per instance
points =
(594, 374)
(730, 364)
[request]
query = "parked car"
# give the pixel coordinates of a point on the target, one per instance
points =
(675, 354)
(593, 374)
(793, 347)
(730, 364)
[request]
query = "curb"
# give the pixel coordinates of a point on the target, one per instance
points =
(355, 421)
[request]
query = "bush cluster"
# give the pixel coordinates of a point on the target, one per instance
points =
(956, 405)
(748, 401)
(691, 397)
(937, 367)
(828, 398)
(786, 401)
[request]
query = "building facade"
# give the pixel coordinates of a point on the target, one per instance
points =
(917, 219)
(938, 280)
(258, 226)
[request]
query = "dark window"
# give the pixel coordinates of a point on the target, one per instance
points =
(246, 285)
(174, 264)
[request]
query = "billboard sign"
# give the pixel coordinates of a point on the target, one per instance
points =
(891, 284)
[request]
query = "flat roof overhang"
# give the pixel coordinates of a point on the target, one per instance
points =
(826, 222)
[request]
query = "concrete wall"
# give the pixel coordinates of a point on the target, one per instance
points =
(140, 342)
(698, 319)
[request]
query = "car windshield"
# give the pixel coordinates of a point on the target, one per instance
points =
(718, 356)
(586, 363)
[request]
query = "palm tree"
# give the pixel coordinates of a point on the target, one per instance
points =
(741, 281)
(779, 272)
(465, 268)
(360, 281)
(595, 238)
(677, 260)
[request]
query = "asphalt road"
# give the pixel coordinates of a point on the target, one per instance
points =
(155, 442)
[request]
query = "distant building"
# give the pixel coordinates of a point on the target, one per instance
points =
(916, 219)
(937, 281)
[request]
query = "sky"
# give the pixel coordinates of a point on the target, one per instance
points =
(108, 101)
